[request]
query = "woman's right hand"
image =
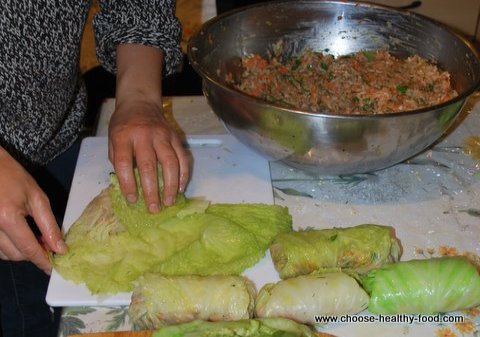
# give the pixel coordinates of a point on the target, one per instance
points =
(20, 196)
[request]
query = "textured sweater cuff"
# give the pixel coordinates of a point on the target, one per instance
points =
(107, 45)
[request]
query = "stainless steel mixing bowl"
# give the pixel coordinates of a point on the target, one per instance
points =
(319, 141)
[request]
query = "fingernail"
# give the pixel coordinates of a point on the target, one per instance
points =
(168, 201)
(153, 207)
(131, 198)
(62, 246)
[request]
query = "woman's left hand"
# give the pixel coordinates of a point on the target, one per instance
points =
(139, 134)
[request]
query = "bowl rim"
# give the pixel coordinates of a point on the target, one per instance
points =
(461, 97)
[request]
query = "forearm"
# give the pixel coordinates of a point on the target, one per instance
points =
(139, 74)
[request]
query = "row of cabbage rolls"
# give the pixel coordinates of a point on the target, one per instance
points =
(328, 272)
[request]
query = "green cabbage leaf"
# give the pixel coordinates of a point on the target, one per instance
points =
(113, 242)
(427, 286)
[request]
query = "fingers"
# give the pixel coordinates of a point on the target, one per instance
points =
(184, 160)
(121, 156)
(170, 170)
(169, 152)
(147, 156)
(8, 251)
(175, 160)
(20, 244)
(147, 167)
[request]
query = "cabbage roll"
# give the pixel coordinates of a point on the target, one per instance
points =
(158, 300)
(353, 249)
(423, 286)
(303, 297)
(268, 327)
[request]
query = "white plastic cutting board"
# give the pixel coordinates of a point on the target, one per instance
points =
(224, 170)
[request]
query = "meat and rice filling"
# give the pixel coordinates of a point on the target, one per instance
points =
(372, 82)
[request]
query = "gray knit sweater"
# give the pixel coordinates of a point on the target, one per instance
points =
(42, 95)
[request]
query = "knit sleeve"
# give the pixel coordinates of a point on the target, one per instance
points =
(146, 22)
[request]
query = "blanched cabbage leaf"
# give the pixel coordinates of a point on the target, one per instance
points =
(303, 297)
(161, 300)
(262, 327)
(355, 249)
(113, 243)
(136, 217)
(423, 286)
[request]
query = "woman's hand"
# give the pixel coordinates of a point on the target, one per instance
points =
(20, 196)
(139, 134)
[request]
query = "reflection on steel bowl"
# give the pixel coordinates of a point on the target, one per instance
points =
(320, 141)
